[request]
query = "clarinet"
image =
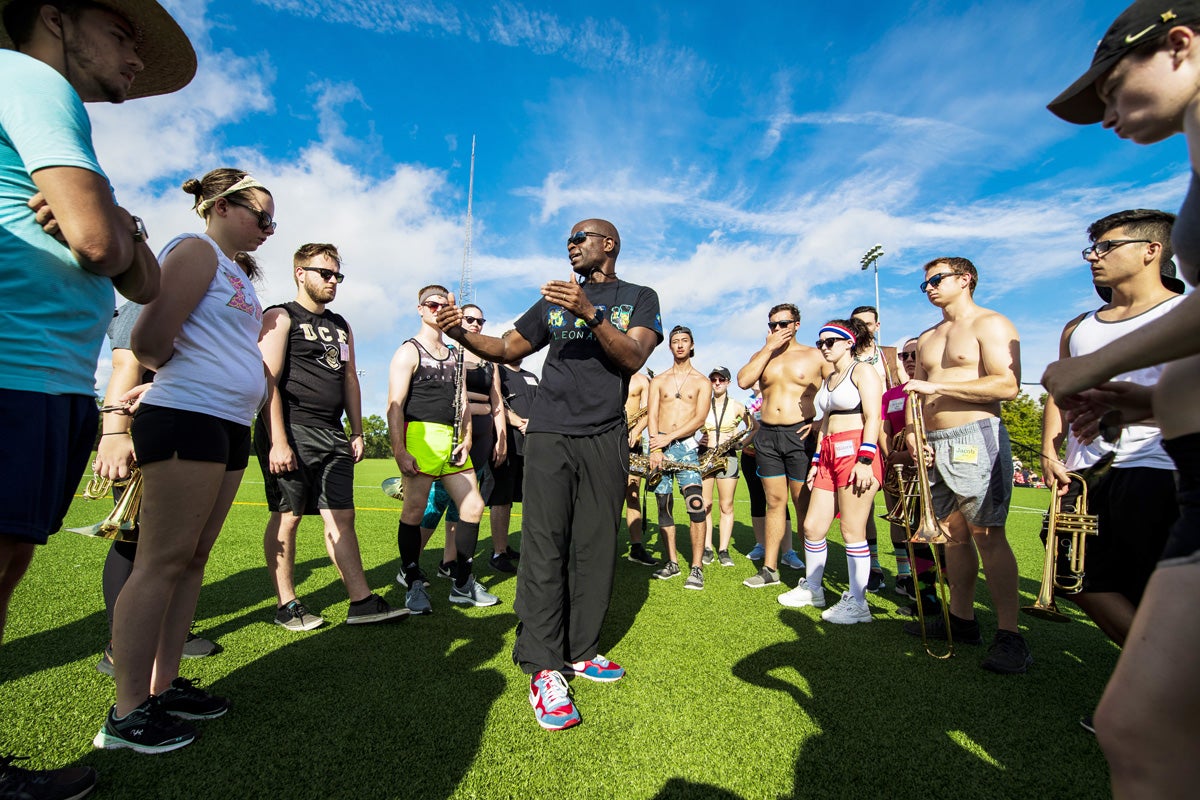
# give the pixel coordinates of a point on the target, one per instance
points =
(458, 403)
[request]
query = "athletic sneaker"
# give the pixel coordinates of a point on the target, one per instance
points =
(1008, 655)
(803, 595)
(904, 587)
(669, 570)
(965, 631)
(597, 668)
(472, 594)
(445, 569)
(847, 611)
(146, 729)
(65, 783)
(875, 581)
(930, 607)
(708, 556)
(764, 577)
(416, 600)
(501, 562)
(374, 609)
(513, 555)
(791, 560)
(757, 553)
(695, 579)
(724, 559)
(402, 579)
(105, 665)
(295, 617)
(638, 555)
(187, 701)
(199, 647)
(551, 701)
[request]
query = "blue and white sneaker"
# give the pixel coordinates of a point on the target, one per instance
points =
(757, 553)
(791, 560)
(551, 701)
(597, 668)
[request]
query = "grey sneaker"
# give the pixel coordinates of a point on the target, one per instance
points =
(765, 577)
(295, 617)
(847, 611)
(472, 594)
(105, 665)
(374, 609)
(708, 556)
(669, 570)
(695, 579)
(803, 595)
(724, 559)
(416, 600)
(199, 647)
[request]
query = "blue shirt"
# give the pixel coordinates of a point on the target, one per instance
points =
(52, 313)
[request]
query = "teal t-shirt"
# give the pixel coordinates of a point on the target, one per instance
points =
(52, 313)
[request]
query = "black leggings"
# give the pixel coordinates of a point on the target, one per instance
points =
(758, 497)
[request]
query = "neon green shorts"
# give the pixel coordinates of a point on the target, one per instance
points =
(429, 443)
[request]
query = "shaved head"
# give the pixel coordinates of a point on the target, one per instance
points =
(604, 227)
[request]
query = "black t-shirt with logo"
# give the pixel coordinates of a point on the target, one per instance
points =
(518, 387)
(582, 392)
(313, 379)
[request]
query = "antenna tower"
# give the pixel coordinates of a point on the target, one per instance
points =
(466, 288)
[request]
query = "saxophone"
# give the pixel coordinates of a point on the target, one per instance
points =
(715, 459)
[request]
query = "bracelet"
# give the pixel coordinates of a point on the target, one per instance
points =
(116, 433)
(359, 435)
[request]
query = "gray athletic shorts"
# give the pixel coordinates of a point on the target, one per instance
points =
(732, 469)
(972, 472)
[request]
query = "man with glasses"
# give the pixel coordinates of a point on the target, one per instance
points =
(966, 366)
(789, 374)
(307, 461)
(1132, 269)
(599, 330)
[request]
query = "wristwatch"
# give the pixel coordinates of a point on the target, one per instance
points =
(865, 460)
(139, 230)
(596, 320)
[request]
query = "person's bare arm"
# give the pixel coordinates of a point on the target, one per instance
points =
(186, 273)
(115, 455)
(352, 400)
(499, 419)
(273, 342)
(400, 373)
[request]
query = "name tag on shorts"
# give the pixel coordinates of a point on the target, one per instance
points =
(964, 454)
(344, 351)
(895, 405)
(844, 448)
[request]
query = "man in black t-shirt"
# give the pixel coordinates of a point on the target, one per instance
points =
(307, 462)
(517, 388)
(599, 330)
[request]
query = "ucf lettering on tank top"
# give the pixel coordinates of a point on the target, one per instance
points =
(312, 385)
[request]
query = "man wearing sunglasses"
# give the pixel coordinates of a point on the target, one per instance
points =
(966, 366)
(307, 462)
(599, 331)
(789, 374)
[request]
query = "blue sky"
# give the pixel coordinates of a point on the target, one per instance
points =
(747, 157)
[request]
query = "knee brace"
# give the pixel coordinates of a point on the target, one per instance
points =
(665, 518)
(695, 503)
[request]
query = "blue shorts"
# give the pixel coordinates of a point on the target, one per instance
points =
(44, 451)
(684, 451)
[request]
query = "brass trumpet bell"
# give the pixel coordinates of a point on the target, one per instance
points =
(121, 523)
(1066, 548)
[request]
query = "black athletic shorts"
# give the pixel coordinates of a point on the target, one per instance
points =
(160, 434)
(780, 451)
(508, 478)
(1183, 545)
(325, 478)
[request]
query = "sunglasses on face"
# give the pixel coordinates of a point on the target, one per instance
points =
(936, 280)
(908, 356)
(579, 237)
(434, 306)
(474, 320)
(780, 323)
(827, 344)
(265, 223)
(1104, 246)
(326, 274)
(718, 379)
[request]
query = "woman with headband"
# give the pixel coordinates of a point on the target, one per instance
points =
(845, 472)
(191, 432)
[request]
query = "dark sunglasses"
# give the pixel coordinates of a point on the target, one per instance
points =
(326, 274)
(718, 379)
(579, 237)
(434, 307)
(908, 356)
(1102, 247)
(474, 320)
(936, 280)
(780, 323)
(827, 344)
(265, 223)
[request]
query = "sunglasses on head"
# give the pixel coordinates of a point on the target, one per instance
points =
(265, 223)
(825, 344)
(326, 274)
(474, 320)
(780, 323)
(434, 306)
(936, 280)
(579, 237)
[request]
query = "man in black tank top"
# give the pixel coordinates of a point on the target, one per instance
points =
(307, 462)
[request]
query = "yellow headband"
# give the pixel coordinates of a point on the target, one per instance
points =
(247, 182)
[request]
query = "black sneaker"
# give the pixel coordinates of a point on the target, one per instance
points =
(513, 555)
(875, 581)
(420, 575)
(65, 783)
(966, 631)
(187, 701)
(638, 555)
(295, 617)
(374, 609)
(445, 570)
(930, 607)
(1008, 655)
(146, 729)
(904, 587)
(1087, 724)
(502, 562)
(199, 647)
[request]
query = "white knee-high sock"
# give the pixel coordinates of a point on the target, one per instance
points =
(858, 559)
(815, 555)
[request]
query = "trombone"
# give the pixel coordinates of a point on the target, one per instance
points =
(121, 523)
(1066, 547)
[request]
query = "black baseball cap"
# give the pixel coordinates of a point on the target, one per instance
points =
(1141, 23)
(722, 371)
(1166, 274)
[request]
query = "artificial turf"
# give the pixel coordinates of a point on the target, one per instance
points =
(728, 694)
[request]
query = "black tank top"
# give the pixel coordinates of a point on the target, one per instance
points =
(431, 393)
(313, 379)
(479, 378)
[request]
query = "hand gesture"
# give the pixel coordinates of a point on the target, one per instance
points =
(570, 296)
(449, 319)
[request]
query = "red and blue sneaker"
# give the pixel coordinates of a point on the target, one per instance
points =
(597, 668)
(551, 701)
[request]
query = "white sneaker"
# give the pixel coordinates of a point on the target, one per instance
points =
(803, 595)
(847, 611)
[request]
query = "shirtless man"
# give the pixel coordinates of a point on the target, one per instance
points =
(679, 399)
(635, 401)
(966, 365)
(789, 374)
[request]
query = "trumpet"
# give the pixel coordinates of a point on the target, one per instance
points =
(121, 523)
(1066, 547)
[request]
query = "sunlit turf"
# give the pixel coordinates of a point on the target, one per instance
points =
(728, 694)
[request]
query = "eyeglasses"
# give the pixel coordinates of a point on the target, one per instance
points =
(579, 237)
(474, 320)
(827, 344)
(1102, 247)
(265, 223)
(936, 280)
(434, 307)
(326, 274)
(780, 323)
(908, 356)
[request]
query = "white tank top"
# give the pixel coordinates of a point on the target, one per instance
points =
(217, 368)
(1139, 445)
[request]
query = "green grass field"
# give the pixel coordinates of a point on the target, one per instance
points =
(728, 694)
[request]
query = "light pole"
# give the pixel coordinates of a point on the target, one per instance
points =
(871, 259)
